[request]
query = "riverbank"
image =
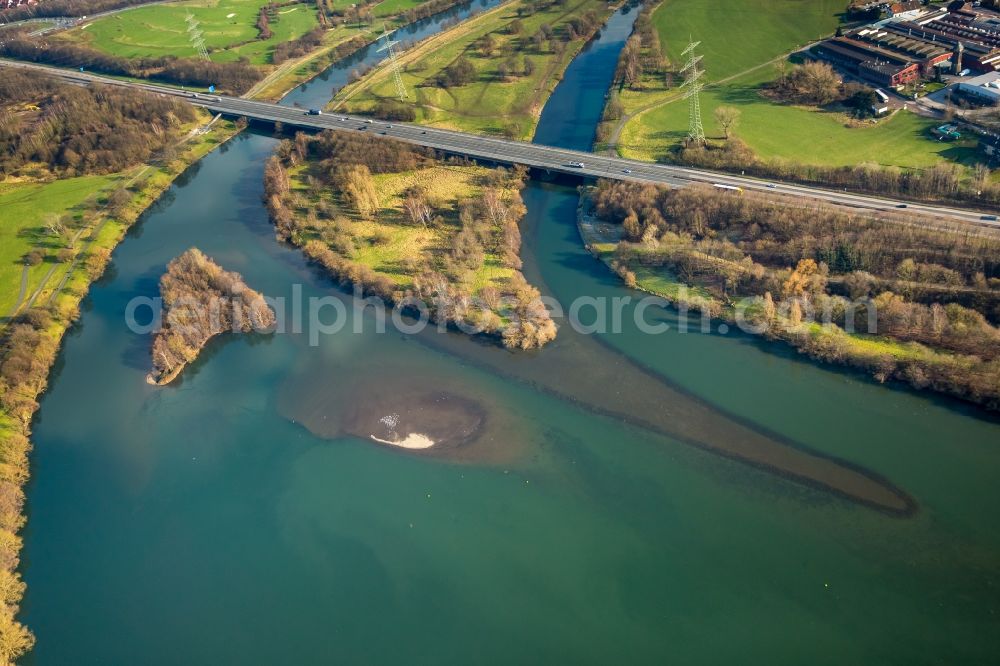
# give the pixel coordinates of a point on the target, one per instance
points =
(491, 74)
(340, 43)
(57, 301)
(146, 184)
(177, 503)
(804, 315)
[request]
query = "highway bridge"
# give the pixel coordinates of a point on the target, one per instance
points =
(510, 151)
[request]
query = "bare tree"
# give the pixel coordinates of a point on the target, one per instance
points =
(728, 117)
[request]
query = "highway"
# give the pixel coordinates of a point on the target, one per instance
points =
(510, 151)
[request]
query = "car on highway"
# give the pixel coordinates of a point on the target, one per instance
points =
(314, 112)
(771, 186)
(900, 205)
(989, 218)
(578, 165)
(626, 170)
(369, 121)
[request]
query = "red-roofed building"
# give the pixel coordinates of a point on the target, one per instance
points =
(879, 66)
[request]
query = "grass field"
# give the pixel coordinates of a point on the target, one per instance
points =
(742, 41)
(488, 104)
(228, 26)
(22, 228)
(794, 133)
(391, 245)
(393, 7)
(25, 206)
(738, 34)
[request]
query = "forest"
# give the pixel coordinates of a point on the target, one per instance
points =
(58, 8)
(230, 77)
(73, 130)
(932, 290)
(200, 301)
(454, 248)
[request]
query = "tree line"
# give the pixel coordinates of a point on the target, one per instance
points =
(901, 279)
(75, 130)
(642, 55)
(59, 8)
(232, 77)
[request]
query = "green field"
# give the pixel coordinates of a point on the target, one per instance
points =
(738, 34)
(22, 228)
(393, 7)
(743, 42)
(488, 104)
(390, 244)
(794, 133)
(229, 28)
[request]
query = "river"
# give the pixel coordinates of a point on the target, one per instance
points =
(203, 523)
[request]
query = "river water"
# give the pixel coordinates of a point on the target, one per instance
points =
(230, 518)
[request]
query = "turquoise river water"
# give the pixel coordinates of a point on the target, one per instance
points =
(607, 513)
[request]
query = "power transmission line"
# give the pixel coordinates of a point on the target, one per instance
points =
(693, 86)
(389, 45)
(196, 37)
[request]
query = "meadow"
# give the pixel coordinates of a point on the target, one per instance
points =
(797, 134)
(388, 8)
(490, 103)
(25, 208)
(229, 28)
(743, 44)
(81, 202)
(736, 35)
(388, 243)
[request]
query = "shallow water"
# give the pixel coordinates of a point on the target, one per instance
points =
(205, 523)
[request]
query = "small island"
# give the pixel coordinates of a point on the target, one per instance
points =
(401, 223)
(200, 301)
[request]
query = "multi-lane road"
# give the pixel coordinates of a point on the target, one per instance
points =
(519, 152)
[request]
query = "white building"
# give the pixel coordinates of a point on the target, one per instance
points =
(986, 87)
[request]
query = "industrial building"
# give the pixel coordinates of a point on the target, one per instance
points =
(927, 55)
(985, 89)
(879, 66)
(918, 41)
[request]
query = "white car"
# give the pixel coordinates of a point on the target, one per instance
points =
(578, 165)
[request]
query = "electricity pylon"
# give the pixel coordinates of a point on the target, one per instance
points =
(195, 36)
(692, 86)
(390, 46)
